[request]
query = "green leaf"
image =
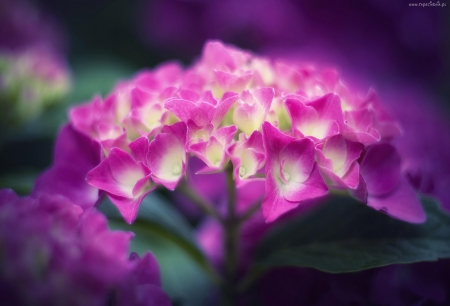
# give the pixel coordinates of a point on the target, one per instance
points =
(21, 182)
(161, 229)
(344, 236)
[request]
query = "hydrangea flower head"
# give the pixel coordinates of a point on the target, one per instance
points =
(297, 127)
(53, 253)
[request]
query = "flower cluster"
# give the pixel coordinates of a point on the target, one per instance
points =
(51, 253)
(297, 128)
(33, 72)
(30, 81)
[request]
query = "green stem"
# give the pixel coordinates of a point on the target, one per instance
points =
(250, 211)
(203, 204)
(231, 230)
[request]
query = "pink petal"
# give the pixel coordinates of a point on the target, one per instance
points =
(255, 141)
(351, 177)
(380, 168)
(264, 97)
(312, 188)
(216, 54)
(179, 130)
(402, 203)
(75, 155)
(222, 108)
(128, 207)
(139, 147)
(297, 159)
(328, 107)
(186, 110)
(308, 122)
(274, 141)
(274, 205)
(117, 174)
(166, 158)
(231, 81)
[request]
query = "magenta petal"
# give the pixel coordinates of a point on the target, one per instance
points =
(75, 156)
(265, 97)
(73, 147)
(402, 203)
(360, 192)
(221, 110)
(274, 141)
(312, 188)
(179, 130)
(147, 270)
(380, 168)
(216, 54)
(128, 207)
(186, 110)
(274, 205)
(117, 174)
(297, 158)
(166, 156)
(70, 181)
(225, 134)
(329, 107)
(139, 147)
(255, 141)
(351, 178)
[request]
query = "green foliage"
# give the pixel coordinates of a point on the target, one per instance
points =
(161, 229)
(345, 236)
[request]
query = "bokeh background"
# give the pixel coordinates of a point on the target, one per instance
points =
(76, 49)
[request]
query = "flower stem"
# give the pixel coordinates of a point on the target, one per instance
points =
(250, 211)
(231, 230)
(197, 200)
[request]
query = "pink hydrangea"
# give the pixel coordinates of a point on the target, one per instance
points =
(54, 254)
(296, 127)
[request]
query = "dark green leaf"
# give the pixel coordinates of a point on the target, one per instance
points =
(345, 236)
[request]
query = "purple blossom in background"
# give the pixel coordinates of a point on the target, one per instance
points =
(24, 26)
(74, 155)
(54, 254)
(425, 143)
(33, 71)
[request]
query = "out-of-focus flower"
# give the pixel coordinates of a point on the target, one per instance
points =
(425, 143)
(53, 254)
(273, 119)
(74, 156)
(30, 82)
(33, 73)
(24, 26)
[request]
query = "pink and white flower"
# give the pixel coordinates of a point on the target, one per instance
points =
(317, 119)
(292, 175)
(248, 156)
(125, 179)
(314, 130)
(337, 160)
(251, 109)
(213, 151)
(166, 157)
